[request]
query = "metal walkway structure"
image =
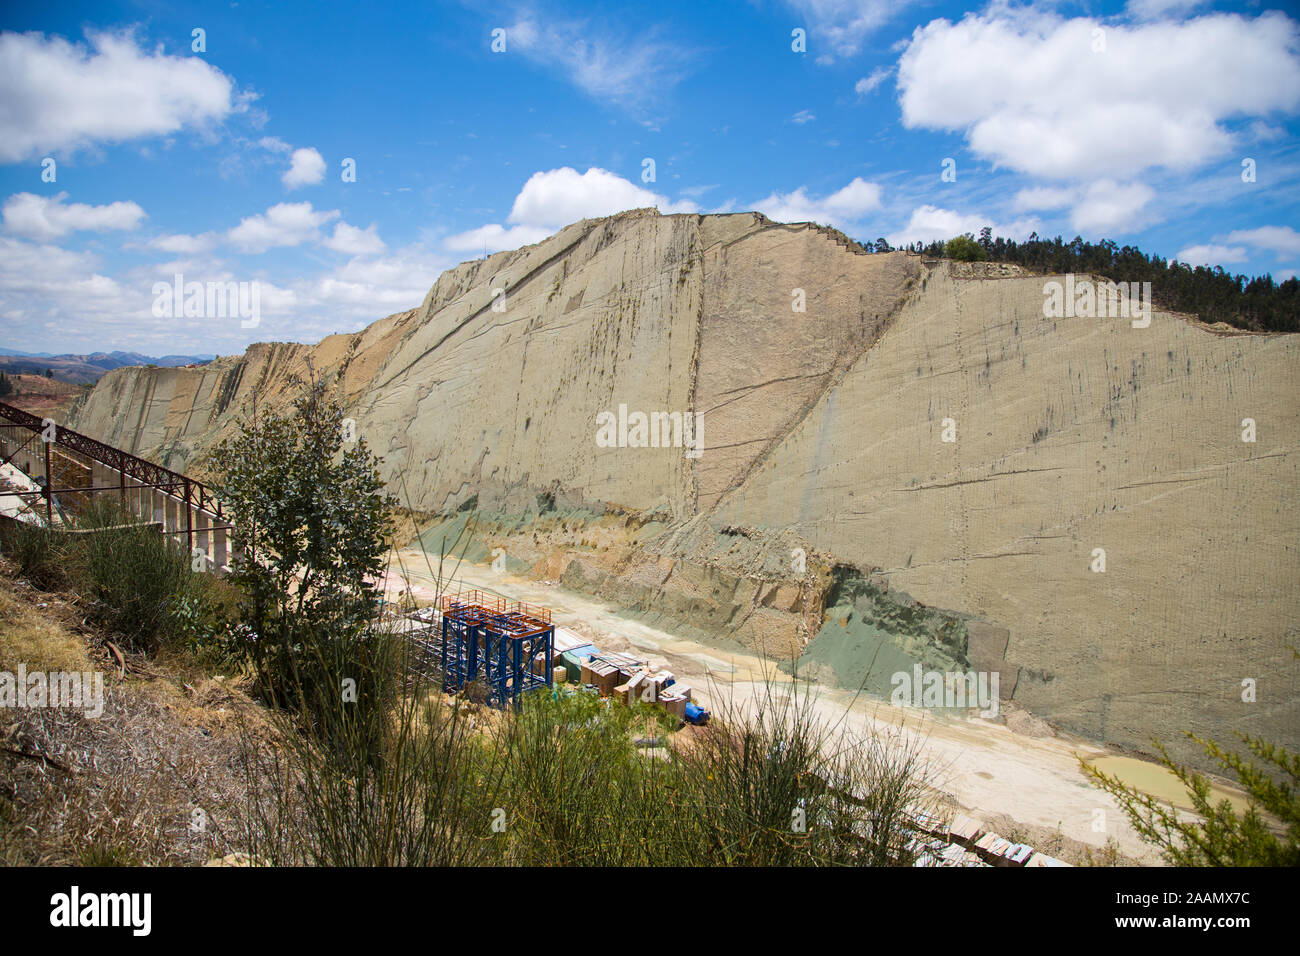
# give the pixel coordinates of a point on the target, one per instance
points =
(70, 466)
(498, 642)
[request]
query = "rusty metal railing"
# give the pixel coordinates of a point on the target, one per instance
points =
(193, 493)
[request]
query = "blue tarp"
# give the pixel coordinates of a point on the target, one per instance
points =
(572, 660)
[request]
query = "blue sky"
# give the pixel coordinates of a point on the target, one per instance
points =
(1128, 121)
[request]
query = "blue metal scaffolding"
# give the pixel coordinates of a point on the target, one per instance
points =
(507, 646)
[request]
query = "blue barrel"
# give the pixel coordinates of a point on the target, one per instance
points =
(696, 714)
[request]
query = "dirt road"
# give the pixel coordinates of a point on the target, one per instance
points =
(985, 767)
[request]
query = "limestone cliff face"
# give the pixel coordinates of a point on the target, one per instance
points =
(1072, 435)
(822, 430)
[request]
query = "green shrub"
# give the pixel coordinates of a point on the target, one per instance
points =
(561, 781)
(204, 623)
(964, 249)
(135, 577)
(41, 555)
(310, 522)
(327, 795)
(139, 583)
(775, 786)
(576, 790)
(1221, 836)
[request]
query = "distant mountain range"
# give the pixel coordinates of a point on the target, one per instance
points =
(86, 369)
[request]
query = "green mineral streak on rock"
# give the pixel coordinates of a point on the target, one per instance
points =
(871, 633)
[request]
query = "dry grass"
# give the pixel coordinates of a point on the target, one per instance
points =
(43, 396)
(118, 791)
(29, 636)
(121, 789)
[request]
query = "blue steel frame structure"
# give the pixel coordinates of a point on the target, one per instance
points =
(486, 638)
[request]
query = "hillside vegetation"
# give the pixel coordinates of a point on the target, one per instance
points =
(1256, 303)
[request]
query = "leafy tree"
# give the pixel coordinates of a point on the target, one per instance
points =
(882, 245)
(49, 373)
(1222, 836)
(964, 248)
(6, 387)
(310, 521)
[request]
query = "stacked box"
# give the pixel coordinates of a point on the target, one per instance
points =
(601, 674)
(674, 704)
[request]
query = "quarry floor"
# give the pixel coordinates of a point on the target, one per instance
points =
(986, 769)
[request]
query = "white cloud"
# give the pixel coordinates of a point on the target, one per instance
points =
(929, 223)
(842, 25)
(1106, 206)
(1262, 132)
(1043, 197)
(803, 116)
(366, 288)
(869, 83)
(556, 198)
(494, 237)
(307, 168)
(1157, 9)
(47, 291)
(1283, 240)
(842, 208)
(274, 144)
(1102, 206)
(353, 241)
(561, 196)
(1211, 255)
(284, 224)
(1030, 94)
(28, 267)
(628, 72)
(182, 244)
(56, 96)
(46, 217)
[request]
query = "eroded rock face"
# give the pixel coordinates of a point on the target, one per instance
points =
(822, 443)
(1072, 435)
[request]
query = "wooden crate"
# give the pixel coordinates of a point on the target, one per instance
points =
(674, 704)
(603, 675)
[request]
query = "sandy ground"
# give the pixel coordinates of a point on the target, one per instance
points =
(986, 768)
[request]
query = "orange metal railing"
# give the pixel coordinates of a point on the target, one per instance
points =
(475, 603)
